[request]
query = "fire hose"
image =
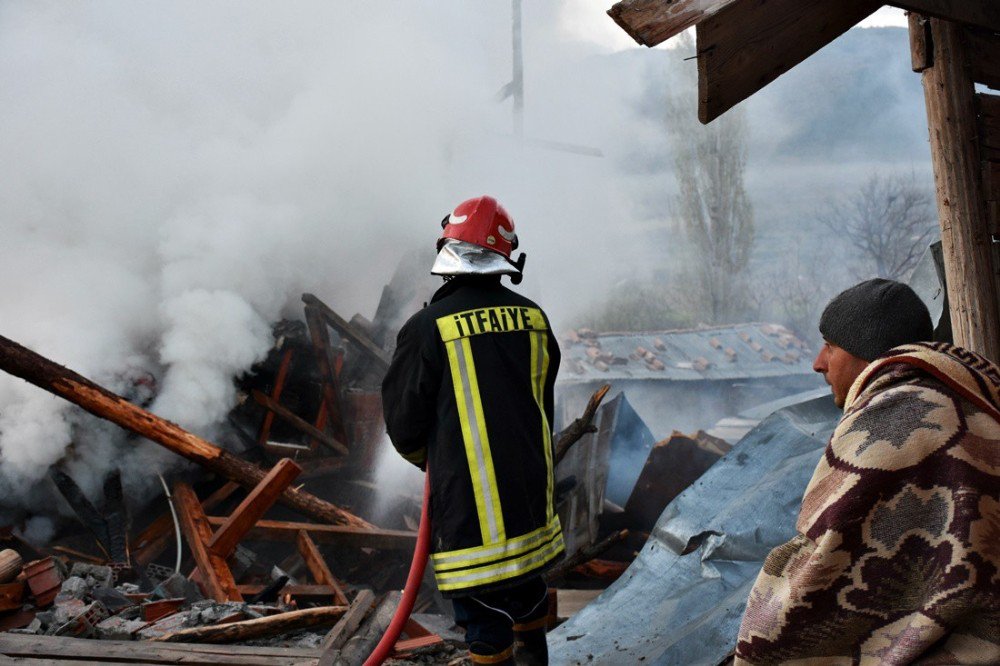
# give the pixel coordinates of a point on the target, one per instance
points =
(413, 580)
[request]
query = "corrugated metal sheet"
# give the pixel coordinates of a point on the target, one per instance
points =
(670, 608)
(723, 353)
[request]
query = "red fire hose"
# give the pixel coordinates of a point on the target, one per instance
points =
(416, 575)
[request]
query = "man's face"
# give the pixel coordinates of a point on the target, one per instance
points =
(840, 368)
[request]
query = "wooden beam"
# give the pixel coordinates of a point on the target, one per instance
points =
(253, 507)
(650, 22)
(318, 568)
(969, 254)
(984, 56)
(920, 42)
(345, 329)
(276, 530)
(214, 572)
(63, 382)
(257, 628)
(60, 649)
(982, 13)
(154, 539)
(300, 423)
(749, 43)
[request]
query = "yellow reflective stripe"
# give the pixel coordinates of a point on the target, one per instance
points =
(503, 319)
(467, 557)
(540, 369)
(477, 450)
(490, 489)
(456, 580)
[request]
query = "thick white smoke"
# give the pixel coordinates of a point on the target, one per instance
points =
(176, 174)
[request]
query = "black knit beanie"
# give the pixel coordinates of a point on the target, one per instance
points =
(871, 318)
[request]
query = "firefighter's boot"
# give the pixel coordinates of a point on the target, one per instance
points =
(481, 653)
(530, 646)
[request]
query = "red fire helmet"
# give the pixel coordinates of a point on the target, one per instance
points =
(483, 222)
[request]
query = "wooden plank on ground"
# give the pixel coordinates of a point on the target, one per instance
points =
(318, 568)
(984, 56)
(253, 507)
(214, 572)
(982, 13)
(277, 530)
(349, 623)
(345, 329)
(59, 648)
(287, 415)
(749, 43)
(650, 22)
(154, 539)
(260, 627)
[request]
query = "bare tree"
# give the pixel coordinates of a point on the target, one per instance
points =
(889, 220)
(712, 204)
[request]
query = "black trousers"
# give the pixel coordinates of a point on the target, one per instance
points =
(489, 618)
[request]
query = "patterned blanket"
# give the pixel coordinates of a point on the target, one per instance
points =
(897, 559)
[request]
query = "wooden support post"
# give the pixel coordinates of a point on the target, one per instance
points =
(279, 385)
(320, 339)
(152, 540)
(969, 255)
(63, 382)
(299, 423)
(318, 568)
(215, 573)
(223, 542)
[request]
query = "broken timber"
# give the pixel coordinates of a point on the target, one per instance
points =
(213, 570)
(43, 373)
(283, 412)
(344, 328)
(581, 426)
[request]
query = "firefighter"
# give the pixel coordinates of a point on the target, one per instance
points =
(468, 396)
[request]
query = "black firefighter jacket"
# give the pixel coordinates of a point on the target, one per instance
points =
(469, 391)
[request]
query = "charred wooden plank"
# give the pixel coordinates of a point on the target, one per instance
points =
(318, 568)
(258, 627)
(749, 43)
(349, 623)
(344, 328)
(253, 507)
(276, 530)
(279, 385)
(214, 571)
(300, 423)
(43, 373)
(320, 338)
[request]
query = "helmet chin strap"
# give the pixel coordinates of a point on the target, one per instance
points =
(519, 265)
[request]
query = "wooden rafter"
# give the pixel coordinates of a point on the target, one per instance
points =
(253, 507)
(276, 530)
(318, 568)
(749, 43)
